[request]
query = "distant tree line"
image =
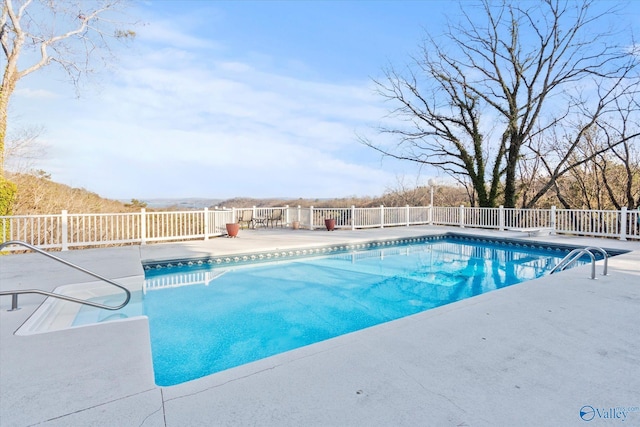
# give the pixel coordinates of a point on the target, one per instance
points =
(38, 194)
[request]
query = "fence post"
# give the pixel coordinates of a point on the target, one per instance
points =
(353, 217)
(430, 214)
(623, 223)
(407, 207)
(461, 216)
(381, 216)
(143, 226)
(310, 217)
(206, 223)
(286, 216)
(299, 214)
(552, 220)
(65, 231)
(501, 217)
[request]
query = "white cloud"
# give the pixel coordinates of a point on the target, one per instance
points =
(176, 123)
(34, 93)
(168, 33)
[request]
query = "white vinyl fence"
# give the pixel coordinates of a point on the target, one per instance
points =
(67, 230)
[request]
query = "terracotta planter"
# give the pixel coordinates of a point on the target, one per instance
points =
(330, 223)
(295, 225)
(232, 229)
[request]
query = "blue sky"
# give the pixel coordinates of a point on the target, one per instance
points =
(223, 99)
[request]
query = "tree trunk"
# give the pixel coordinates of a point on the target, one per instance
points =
(8, 85)
(510, 190)
(9, 80)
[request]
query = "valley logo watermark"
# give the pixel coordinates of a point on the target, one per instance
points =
(590, 413)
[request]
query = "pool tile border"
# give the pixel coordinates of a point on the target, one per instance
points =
(283, 254)
(295, 253)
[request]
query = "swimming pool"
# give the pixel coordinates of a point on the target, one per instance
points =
(208, 315)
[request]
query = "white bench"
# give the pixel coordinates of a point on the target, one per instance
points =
(533, 231)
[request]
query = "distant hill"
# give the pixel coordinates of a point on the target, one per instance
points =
(38, 195)
(247, 202)
(187, 203)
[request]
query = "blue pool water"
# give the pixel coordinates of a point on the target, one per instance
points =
(207, 319)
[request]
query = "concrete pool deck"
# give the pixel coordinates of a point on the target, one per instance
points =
(534, 354)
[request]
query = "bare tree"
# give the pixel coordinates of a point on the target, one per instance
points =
(402, 194)
(23, 149)
(588, 135)
(628, 154)
(69, 33)
(615, 180)
(477, 96)
(605, 138)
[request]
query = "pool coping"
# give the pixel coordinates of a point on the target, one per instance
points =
(432, 367)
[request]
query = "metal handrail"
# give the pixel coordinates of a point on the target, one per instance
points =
(14, 293)
(605, 255)
(575, 254)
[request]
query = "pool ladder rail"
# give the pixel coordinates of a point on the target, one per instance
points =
(14, 293)
(575, 254)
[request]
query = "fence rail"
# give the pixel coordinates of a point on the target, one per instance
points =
(66, 230)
